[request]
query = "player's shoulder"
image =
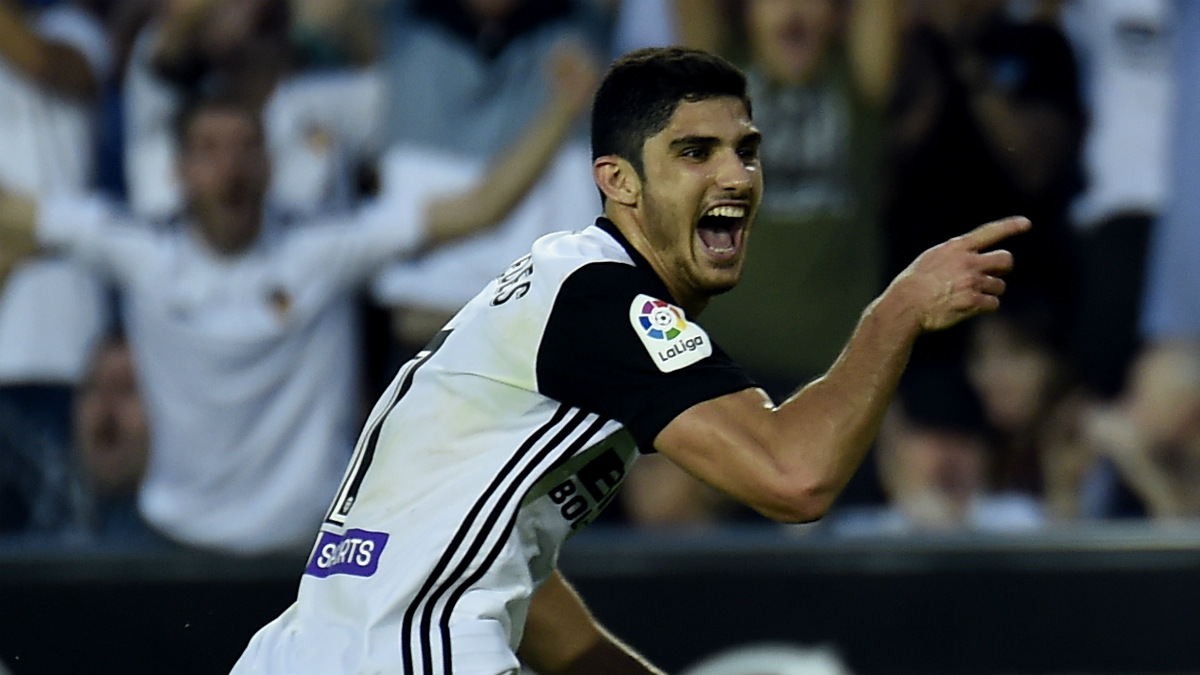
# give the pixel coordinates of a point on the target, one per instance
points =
(568, 251)
(593, 270)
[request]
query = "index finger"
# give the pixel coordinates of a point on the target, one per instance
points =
(996, 231)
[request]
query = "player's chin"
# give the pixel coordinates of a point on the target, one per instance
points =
(722, 281)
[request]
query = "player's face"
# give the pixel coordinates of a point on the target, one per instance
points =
(702, 187)
(224, 169)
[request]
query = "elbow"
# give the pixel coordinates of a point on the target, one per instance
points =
(795, 501)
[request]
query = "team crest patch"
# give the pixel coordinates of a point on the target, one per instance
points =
(673, 343)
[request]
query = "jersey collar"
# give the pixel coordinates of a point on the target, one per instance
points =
(638, 259)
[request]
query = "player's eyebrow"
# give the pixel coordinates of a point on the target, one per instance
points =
(750, 138)
(693, 141)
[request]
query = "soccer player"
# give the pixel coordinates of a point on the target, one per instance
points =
(514, 427)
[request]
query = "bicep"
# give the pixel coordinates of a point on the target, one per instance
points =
(725, 442)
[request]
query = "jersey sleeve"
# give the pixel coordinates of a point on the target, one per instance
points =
(615, 346)
(93, 231)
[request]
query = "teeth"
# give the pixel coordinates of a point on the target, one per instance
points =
(727, 211)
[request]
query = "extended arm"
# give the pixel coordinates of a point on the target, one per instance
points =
(573, 76)
(790, 462)
(49, 63)
(562, 637)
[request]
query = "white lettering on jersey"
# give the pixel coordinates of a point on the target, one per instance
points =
(673, 343)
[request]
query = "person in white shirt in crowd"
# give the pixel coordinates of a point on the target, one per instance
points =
(242, 323)
(309, 63)
(460, 76)
(1148, 437)
(1124, 50)
(53, 62)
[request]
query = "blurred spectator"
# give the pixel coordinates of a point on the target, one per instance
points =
(35, 496)
(243, 327)
(461, 76)
(323, 118)
(819, 73)
(935, 461)
(1172, 297)
(188, 48)
(1031, 398)
(1148, 436)
(308, 63)
(53, 62)
(772, 659)
(700, 24)
(111, 444)
(987, 122)
(1151, 437)
(1125, 59)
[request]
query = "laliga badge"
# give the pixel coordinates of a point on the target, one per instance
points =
(672, 342)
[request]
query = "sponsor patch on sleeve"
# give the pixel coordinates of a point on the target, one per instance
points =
(355, 552)
(672, 342)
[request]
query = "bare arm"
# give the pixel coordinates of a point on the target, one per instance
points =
(873, 42)
(51, 64)
(204, 29)
(790, 462)
(562, 637)
(17, 214)
(702, 24)
(574, 77)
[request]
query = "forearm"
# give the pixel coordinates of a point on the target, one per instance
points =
(48, 63)
(837, 417)
(506, 183)
(562, 637)
(789, 462)
(608, 656)
(1146, 479)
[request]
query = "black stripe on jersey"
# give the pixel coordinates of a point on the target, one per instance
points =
(465, 584)
(364, 454)
(456, 541)
(426, 598)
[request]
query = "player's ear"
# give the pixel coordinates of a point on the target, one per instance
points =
(617, 179)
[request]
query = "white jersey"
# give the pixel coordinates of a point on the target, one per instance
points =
(51, 310)
(507, 434)
(246, 363)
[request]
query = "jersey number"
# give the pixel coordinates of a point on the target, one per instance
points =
(364, 451)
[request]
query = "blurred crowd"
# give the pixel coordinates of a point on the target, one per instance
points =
(225, 224)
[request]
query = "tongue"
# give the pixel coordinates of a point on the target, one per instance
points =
(716, 239)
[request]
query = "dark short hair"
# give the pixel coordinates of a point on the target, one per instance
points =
(197, 105)
(642, 89)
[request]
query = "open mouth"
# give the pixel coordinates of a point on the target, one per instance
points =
(720, 231)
